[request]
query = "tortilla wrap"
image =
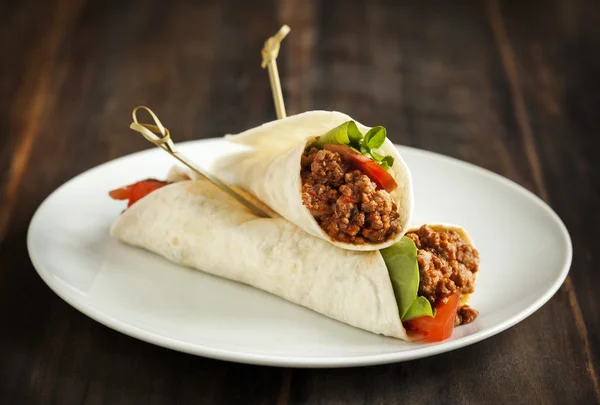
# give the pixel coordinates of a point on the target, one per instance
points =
(195, 224)
(269, 168)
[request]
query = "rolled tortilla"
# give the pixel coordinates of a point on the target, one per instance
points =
(270, 162)
(194, 224)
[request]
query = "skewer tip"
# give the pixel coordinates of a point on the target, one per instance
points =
(270, 50)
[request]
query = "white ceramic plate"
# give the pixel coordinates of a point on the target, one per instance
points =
(525, 256)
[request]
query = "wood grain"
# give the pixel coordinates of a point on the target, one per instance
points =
(509, 86)
(557, 114)
(509, 63)
(32, 103)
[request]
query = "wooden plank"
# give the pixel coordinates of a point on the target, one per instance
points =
(31, 102)
(559, 92)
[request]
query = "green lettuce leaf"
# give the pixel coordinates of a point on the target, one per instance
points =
(401, 262)
(344, 134)
(420, 307)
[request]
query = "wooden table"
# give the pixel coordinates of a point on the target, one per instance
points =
(510, 86)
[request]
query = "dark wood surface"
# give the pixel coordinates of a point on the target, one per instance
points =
(510, 86)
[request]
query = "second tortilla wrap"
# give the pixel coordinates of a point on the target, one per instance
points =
(269, 168)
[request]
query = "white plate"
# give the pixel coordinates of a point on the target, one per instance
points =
(525, 256)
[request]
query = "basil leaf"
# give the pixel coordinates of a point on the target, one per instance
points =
(420, 307)
(384, 161)
(389, 160)
(375, 137)
(377, 157)
(401, 262)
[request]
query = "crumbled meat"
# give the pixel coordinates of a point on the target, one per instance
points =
(320, 198)
(344, 201)
(447, 264)
(327, 167)
(465, 315)
(435, 281)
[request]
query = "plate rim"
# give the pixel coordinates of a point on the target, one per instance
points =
(299, 361)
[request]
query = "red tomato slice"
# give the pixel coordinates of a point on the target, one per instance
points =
(136, 191)
(142, 189)
(441, 326)
(365, 164)
(120, 193)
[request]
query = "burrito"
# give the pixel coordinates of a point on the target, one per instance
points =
(416, 289)
(329, 175)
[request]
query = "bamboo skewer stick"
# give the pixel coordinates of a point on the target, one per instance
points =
(269, 53)
(161, 137)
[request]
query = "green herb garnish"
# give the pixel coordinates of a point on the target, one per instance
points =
(349, 134)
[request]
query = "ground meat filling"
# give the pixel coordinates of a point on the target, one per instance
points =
(465, 315)
(447, 264)
(344, 201)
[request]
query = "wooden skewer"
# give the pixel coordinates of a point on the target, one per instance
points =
(269, 53)
(160, 136)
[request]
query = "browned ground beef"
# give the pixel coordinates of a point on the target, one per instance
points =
(465, 315)
(447, 264)
(344, 201)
